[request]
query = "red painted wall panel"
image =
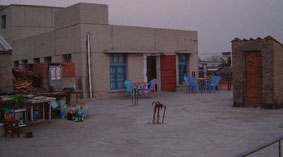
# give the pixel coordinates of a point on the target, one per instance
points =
(168, 73)
(253, 78)
(68, 70)
(41, 69)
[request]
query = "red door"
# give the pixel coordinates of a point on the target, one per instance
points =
(253, 78)
(168, 73)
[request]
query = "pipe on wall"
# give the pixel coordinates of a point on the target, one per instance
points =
(89, 65)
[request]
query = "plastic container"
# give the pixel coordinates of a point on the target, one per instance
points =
(85, 114)
(64, 113)
(35, 115)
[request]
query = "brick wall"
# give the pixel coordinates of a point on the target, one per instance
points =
(239, 49)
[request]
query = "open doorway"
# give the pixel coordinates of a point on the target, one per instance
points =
(151, 68)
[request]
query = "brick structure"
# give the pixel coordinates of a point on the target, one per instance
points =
(257, 73)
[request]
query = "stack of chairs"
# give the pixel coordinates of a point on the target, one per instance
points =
(192, 84)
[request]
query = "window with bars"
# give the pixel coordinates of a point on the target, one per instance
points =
(118, 71)
(183, 67)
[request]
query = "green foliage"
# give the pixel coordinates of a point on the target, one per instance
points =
(225, 63)
(15, 102)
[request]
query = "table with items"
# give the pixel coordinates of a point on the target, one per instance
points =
(37, 102)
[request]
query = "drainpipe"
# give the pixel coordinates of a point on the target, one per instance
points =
(89, 65)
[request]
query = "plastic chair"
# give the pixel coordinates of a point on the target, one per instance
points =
(214, 83)
(194, 87)
(201, 85)
(129, 84)
(151, 88)
(12, 126)
(192, 84)
(187, 83)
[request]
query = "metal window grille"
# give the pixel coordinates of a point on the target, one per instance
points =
(183, 67)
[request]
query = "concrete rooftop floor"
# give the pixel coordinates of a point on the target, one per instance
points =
(202, 124)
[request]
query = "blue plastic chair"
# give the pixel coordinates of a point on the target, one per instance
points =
(187, 83)
(214, 83)
(191, 84)
(194, 87)
(129, 84)
(151, 88)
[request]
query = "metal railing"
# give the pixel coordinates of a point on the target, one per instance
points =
(263, 146)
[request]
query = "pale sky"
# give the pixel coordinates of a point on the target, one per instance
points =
(217, 21)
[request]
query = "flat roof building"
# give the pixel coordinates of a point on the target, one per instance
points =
(115, 53)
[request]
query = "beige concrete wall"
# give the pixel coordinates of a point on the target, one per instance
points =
(94, 13)
(24, 32)
(25, 21)
(38, 17)
(80, 60)
(67, 17)
(42, 45)
(82, 13)
(100, 37)
(166, 40)
(135, 67)
(68, 40)
(21, 49)
(100, 72)
(6, 32)
(6, 77)
(188, 40)
(278, 73)
(133, 38)
(17, 16)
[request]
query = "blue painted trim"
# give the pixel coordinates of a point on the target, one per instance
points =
(116, 72)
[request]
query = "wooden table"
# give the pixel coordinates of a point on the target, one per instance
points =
(59, 95)
(140, 86)
(203, 84)
(40, 101)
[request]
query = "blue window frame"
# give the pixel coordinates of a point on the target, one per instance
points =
(118, 71)
(183, 67)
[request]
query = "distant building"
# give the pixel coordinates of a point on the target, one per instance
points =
(209, 63)
(104, 55)
(21, 21)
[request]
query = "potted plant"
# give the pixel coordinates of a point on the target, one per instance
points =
(15, 102)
